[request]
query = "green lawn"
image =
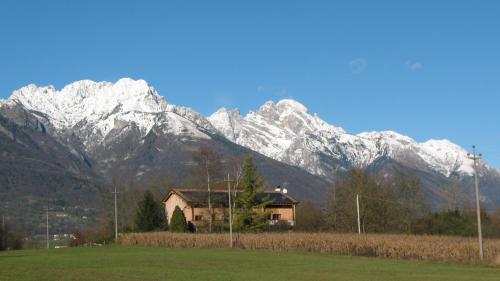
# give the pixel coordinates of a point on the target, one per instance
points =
(144, 263)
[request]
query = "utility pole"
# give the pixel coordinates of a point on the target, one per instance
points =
(230, 212)
(359, 219)
(476, 159)
(207, 164)
(116, 214)
(47, 224)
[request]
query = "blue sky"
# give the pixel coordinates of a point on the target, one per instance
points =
(422, 68)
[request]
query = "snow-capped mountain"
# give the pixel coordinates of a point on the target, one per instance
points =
(109, 124)
(286, 131)
(93, 110)
(69, 144)
(99, 112)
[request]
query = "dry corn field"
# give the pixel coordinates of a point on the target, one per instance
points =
(433, 248)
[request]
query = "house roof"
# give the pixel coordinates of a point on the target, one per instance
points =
(199, 197)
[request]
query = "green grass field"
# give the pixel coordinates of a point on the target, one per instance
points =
(149, 263)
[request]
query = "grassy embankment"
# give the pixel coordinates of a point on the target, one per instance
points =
(125, 263)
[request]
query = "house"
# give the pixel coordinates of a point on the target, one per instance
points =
(194, 204)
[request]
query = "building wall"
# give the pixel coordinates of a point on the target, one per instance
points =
(176, 200)
(286, 213)
(219, 213)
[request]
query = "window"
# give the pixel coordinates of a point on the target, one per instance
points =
(198, 217)
(276, 217)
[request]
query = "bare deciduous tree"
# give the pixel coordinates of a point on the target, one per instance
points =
(208, 162)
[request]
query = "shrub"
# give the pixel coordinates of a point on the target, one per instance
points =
(178, 221)
(445, 223)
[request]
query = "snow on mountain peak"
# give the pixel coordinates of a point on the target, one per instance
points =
(292, 116)
(291, 105)
(228, 122)
(446, 156)
(87, 99)
(274, 129)
(286, 132)
(388, 137)
(100, 106)
(282, 108)
(441, 155)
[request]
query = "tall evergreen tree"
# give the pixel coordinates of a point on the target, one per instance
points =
(178, 221)
(250, 215)
(150, 215)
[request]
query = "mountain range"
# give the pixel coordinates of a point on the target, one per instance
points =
(68, 143)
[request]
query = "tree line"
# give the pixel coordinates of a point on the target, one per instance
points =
(390, 204)
(394, 204)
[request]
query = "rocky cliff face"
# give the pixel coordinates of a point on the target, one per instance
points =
(286, 131)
